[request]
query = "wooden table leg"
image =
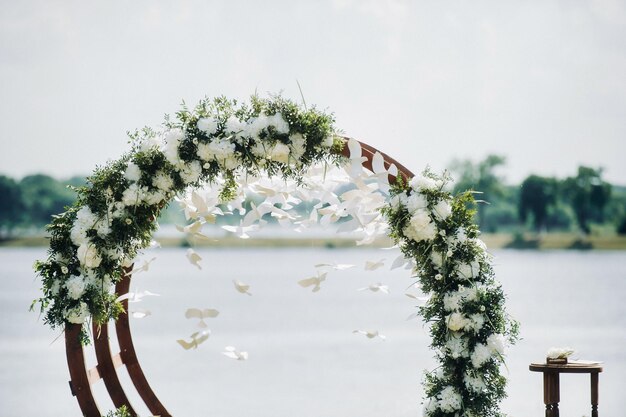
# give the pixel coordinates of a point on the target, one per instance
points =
(551, 395)
(594, 394)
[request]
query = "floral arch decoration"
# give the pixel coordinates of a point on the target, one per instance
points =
(224, 143)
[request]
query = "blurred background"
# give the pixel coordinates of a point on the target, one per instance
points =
(525, 102)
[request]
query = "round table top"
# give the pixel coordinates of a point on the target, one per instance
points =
(573, 367)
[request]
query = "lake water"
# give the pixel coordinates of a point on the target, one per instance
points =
(304, 359)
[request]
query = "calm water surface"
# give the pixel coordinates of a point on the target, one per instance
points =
(304, 359)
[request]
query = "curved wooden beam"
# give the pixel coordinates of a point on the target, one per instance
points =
(107, 365)
(369, 152)
(81, 379)
(129, 356)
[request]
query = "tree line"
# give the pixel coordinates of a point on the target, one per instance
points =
(583, 202)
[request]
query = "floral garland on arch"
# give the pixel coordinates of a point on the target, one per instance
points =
(224, 143)
(114, 216)
(465, 307)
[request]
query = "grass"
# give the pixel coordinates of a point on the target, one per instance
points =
(493, 240)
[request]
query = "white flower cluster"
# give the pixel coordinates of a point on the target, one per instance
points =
(85, 221)
(450, 400)
(474, 383)
(78, 314)
(464, 288)
(559, 353)
(216, 144)
(421, 225)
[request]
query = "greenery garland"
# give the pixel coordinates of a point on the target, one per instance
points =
(221, 140)
(469, 326)
(114, 216)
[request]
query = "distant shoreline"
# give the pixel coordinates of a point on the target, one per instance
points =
(548, 241)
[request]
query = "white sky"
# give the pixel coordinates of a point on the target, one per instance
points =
(542, 82)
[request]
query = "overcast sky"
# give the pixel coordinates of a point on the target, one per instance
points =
(541, 82)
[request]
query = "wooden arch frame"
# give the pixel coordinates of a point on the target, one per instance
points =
(82, 378)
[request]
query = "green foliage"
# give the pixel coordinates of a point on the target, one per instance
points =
(451, 264)
(621, 227)
(115, 213)
(537, 195)
(43, 197)
(480, 177)
(588, 195)
(11, 205)
(120, 412)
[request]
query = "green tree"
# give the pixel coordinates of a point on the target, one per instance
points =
(480, 177)
(537, 195)
(588, 195)
(11, 205)
(43, 197)
(621, 226)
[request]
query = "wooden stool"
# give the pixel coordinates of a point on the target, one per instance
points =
(551, 372)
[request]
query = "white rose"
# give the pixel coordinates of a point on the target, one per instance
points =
(420, 227)
(450, 400)
(172, 140)
(75, 287)
(556, 353)
(88, 255)
(452, 301)
(442, 210)
(257, 125)
(496, 343)
(475, 384)
(207, 125)
(457, 347)
(469, 293)
(280, 153)
(78, 314)
(132, 195)
(162, 181)
(191, 172)
(204, 152)
(133, 172)
(480, 355)
(102, 227)
(422, 183)
(438, 259)
(84, 221)
(78, 234)
(234, 125)
(416, 201)
(328, 141)
(155, 198)
(468, 271)
(456, 321)
(279, 123)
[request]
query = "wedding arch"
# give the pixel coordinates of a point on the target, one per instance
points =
(223, 143)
